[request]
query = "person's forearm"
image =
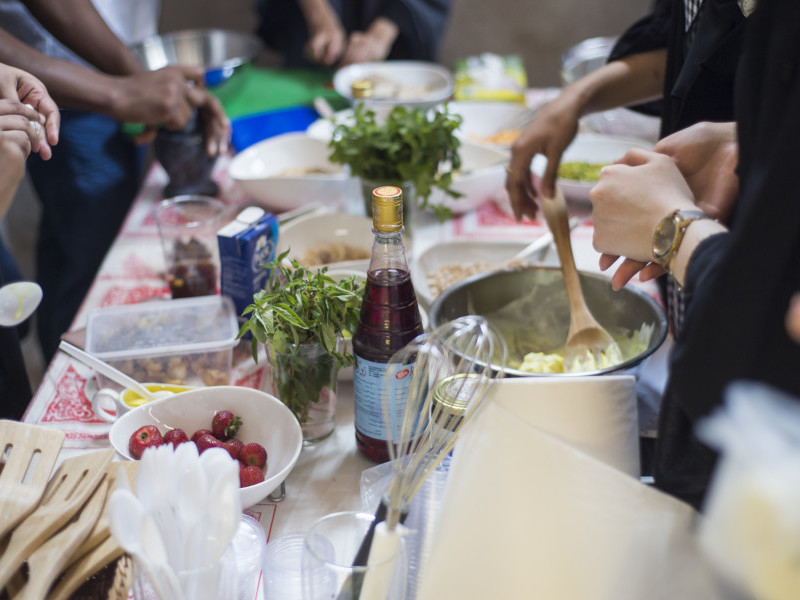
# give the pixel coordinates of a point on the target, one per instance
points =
(69, 84)
(384, 30)
(631, 80)
(78, 25)
(697, 232)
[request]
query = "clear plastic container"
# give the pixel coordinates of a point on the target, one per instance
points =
(188, 341)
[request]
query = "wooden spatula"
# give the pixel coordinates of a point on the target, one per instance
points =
(74, 481)
(30, 455)
(87, 565)
(101, 531)
(45, 564)
(586, 338)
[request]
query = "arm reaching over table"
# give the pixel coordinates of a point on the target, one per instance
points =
(626, 81)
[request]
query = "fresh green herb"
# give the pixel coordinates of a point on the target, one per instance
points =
(409, 145)
(302, 307)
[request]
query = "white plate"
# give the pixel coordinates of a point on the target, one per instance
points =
(590, 148)
(265, 420)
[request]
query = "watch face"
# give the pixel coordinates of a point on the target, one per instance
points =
(663, 237)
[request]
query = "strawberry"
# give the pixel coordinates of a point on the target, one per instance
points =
(225, 424)
(175, 437)
(254, 455)
(206, 441)
(200, 432)
(249, 475)
(234, 447)
(143, 438)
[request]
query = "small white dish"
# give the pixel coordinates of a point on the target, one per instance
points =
(289, 170)
(588, 148)
(412, 83)
(481, 178)
(332, 232)
(265, 420)
(473, 255)
(483, 121)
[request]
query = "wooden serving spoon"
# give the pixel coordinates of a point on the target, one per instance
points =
(586, 339)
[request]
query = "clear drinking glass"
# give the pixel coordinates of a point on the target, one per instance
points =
(327, 564)
(188, 228)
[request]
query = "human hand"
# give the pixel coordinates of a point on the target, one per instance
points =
(12, 169)
(371, 45)
(629, 200)
(327, 38)
(549, 134)
(707, 155)
(793, 318)
(167, 98)
(19, 88)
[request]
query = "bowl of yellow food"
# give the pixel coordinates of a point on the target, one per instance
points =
(583, 160)
(530, 308)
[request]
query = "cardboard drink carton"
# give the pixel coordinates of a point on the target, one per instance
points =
(245, 245)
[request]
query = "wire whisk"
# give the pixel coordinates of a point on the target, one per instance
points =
(451, 372)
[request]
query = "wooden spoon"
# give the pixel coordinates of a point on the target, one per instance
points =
(588, 345)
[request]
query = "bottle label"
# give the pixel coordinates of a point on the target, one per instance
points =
(368, 388)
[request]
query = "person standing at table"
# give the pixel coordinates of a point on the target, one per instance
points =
(312, 33)
(29, 122)
(741, 279)
(89, 185)
(684, 53)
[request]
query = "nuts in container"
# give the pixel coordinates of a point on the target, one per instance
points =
(186, 341)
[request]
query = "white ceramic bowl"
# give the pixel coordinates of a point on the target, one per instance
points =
(589, 148)
(412, 83)
(481, 176)
(265, 420)
(466, 253)
(482, 120)
(279, 172)
(326, 230)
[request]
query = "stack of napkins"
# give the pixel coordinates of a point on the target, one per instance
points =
(540, 503)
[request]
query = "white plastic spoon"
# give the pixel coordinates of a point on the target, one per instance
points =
(110, 372)
(134, 529)
(18, 300)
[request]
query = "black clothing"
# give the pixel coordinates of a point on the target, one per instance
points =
(698, 83)
(743, 280)
(15, 389)
(421, 26)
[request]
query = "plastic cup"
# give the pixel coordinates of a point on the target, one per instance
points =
(188, 228)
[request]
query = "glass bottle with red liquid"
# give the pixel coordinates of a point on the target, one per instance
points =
(388, 321)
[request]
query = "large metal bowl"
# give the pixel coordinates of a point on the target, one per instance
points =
(542, 311)
(222, 53)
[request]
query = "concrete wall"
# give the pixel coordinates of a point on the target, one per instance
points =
(539, 30)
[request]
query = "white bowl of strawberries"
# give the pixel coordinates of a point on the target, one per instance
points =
(255, 427)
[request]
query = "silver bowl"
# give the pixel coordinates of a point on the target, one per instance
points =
(531, 309)
(222, 53)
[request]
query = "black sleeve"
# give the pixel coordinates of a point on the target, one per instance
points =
(648, 33)
(421, 26)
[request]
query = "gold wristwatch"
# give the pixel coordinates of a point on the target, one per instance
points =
(669, 233)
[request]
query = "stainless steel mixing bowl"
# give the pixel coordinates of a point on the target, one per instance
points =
(222, 53)
(531, 309)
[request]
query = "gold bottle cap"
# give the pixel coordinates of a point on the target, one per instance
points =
(451, 399)
(361, 88)
(387, 208)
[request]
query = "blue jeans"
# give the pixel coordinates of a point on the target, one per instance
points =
(86, 189)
